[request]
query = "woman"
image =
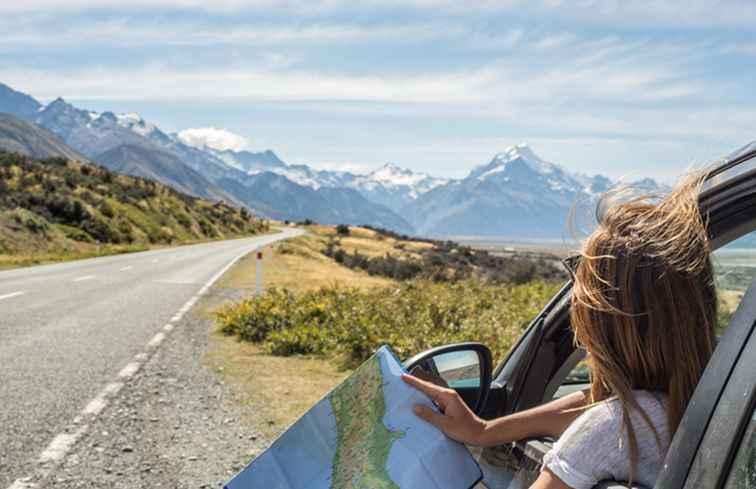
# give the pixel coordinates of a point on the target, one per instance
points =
(644, 309)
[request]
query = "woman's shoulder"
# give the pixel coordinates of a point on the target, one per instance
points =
(606, 418)
(599, 431)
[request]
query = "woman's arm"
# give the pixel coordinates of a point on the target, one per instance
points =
(549, 419)
(461, 424)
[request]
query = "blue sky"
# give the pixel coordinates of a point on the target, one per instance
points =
(627, 89)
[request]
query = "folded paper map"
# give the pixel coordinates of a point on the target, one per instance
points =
(364, 435)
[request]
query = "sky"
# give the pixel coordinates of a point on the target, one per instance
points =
(625, 89)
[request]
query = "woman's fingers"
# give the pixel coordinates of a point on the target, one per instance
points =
(433, 391)
(427, 414)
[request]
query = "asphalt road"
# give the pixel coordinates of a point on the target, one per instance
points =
(67, 330)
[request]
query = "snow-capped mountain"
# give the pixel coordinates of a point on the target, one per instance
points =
(390, 185)
(133, 121)
(395, 187)
(267, 161)
(248, 161)
(129, 144)
(516, 195)
(88, 132)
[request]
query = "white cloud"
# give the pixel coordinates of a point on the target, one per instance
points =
(554, 41)
(158, 81)
(605, 70)
(141, 32)
(643, 13)
(214, 138)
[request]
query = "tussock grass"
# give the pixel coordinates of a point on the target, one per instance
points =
(298, 265)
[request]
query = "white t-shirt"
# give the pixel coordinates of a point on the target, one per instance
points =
(594, 447)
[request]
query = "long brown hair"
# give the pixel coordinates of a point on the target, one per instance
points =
(644, 303)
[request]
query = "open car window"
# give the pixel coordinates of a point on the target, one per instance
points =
(734, 269)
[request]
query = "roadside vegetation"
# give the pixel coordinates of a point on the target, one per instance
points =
(345, 311)
(349, 324)
(318, 318)
(57, 209)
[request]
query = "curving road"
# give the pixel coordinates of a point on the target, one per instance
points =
(67, 330)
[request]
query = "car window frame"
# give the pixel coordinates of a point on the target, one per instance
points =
(734, 410)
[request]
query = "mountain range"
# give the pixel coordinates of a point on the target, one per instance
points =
(515, 195)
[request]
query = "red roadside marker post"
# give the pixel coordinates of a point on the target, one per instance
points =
(258, 272)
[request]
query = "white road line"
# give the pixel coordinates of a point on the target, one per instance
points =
(95, 406)
(156, 340)
(129, 370)
(12, 294)
(62, 443)
(85, 277)
(125, 268)
(113, 388)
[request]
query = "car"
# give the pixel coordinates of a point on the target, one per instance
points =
(715, 443)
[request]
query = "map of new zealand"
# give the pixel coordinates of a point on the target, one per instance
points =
(363, 435)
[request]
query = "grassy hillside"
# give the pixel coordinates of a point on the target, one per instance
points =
(57, 208)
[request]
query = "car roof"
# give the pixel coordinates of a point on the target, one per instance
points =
(733, 166)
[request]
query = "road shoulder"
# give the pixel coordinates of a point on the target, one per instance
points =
(174, 424)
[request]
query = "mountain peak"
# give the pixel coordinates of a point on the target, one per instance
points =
(518, 151)
(392, 169)
(58, 102)
(519, 155)
(59, 105)
(392, 173)
(17, 103)
(133, 121)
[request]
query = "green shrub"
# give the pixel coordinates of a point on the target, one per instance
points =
(75, 234)
(29, 220)
(183, 219)
(255, 318)
(342, 230)
(410, 317)
(101, 230)
(107, 209)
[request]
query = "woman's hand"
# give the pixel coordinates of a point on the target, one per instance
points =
(456, 420)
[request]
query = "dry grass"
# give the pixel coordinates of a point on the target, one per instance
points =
(282, 388)
(368, 242)
(298, 265)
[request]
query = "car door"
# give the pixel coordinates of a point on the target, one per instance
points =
(726, 454)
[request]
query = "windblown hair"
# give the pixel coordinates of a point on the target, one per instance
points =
(644, 303)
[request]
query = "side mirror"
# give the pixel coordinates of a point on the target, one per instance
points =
(464, 367)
